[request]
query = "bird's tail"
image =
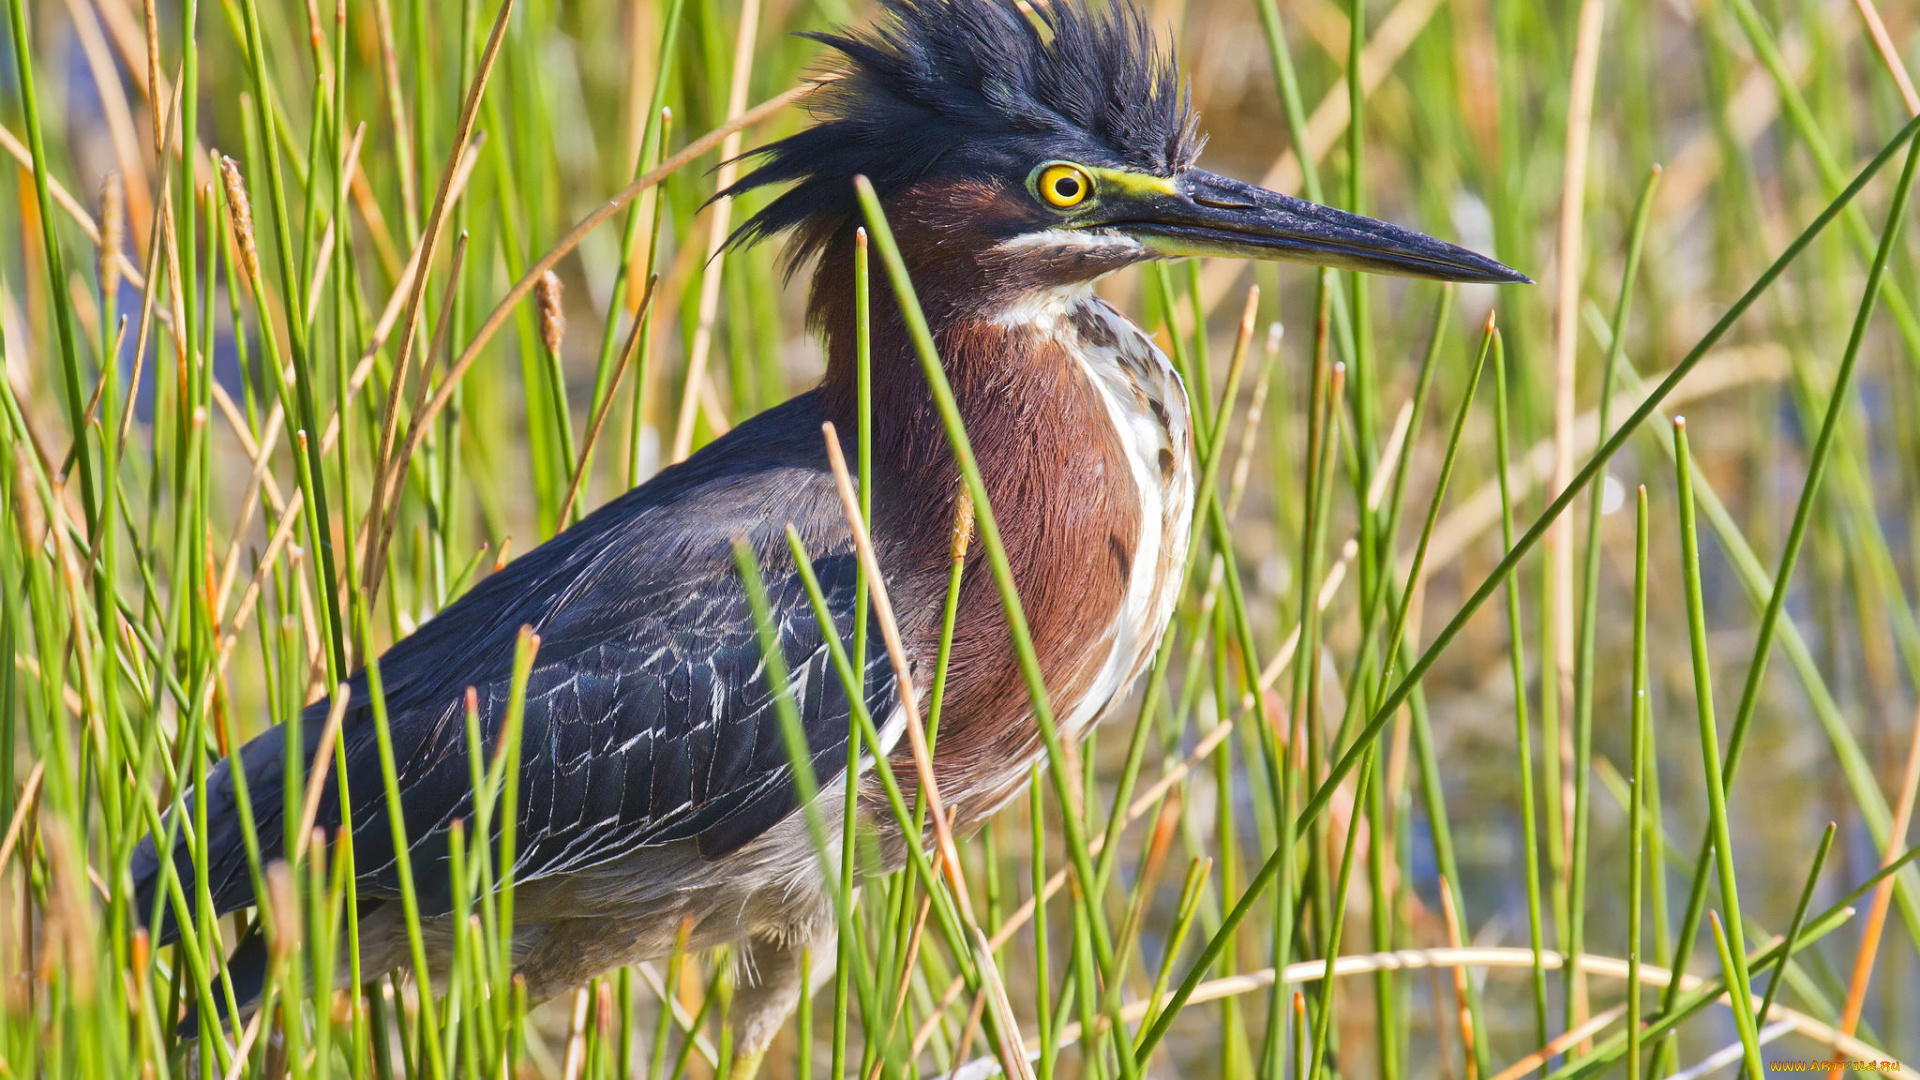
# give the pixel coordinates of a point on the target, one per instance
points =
(228, 879)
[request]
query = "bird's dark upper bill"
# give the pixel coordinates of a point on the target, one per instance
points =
(1217, 215)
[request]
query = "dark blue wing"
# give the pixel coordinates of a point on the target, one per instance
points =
(649, 719)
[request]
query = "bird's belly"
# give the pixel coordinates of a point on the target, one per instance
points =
(1146, 403)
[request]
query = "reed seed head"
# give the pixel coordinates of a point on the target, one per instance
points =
(113, 232)
(548, 299)
(240, 210)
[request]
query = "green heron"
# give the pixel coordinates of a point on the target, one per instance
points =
(1021, 153)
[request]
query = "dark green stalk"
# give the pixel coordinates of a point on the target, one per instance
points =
(1656, 839)
(1741, 981)
(1287, 88)
(56, 263)
(952, 918)
(1191, 892)
(1232, 1029)
(1792, 935)
(1337, 920)
(1519, 551)
(1489, 343)
(863, 399)
(1803, 515)
(639, 407)
(802, 1021)
(989, 532)
(807, 787)
(652, 139)
(1589, 613)
(1597, 462)
(1304, 740)
(1852, 760)
(1708, 990)
(303, 404)
(504, 777)
(863, 336)
(1636, 813)
(949, 615)
(1042, 960)
(1429, 367)
(1382, 907)
(699, 1021)
(1087, 979)
(403, 865)
(1523, 733)
(1741, 996)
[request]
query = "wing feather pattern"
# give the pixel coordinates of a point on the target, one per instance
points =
(648, 717)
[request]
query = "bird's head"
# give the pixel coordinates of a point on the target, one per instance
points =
(1035, 147)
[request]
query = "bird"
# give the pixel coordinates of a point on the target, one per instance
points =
(1021, 152)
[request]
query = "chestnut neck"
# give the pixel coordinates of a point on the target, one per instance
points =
(916, 481)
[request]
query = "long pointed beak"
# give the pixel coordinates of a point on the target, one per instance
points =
(1208, 214)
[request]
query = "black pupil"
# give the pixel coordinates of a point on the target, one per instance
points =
(1066, 187)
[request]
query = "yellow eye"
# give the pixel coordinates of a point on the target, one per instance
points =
(1064, 186)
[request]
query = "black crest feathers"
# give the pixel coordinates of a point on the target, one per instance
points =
(974, 88)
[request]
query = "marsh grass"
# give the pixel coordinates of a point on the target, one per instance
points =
(313, 315)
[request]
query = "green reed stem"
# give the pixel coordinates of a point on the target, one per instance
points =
(1638, 718)
(1044, 1020)
(1709, 989)
(1519, 551)
(56, 265)
(1523, 729)
(403, 865)
(650, 150)
(1489, 343)
(863, 728)
(1733, 969)
(303, 404)
(1337, 921)
(1589, 610)
(1853, 762)
(800, 758)
(1817, 458)
(1022, 635)
(1191, 890)
(1799, 919)
(1598, 461)
(1709, 730)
